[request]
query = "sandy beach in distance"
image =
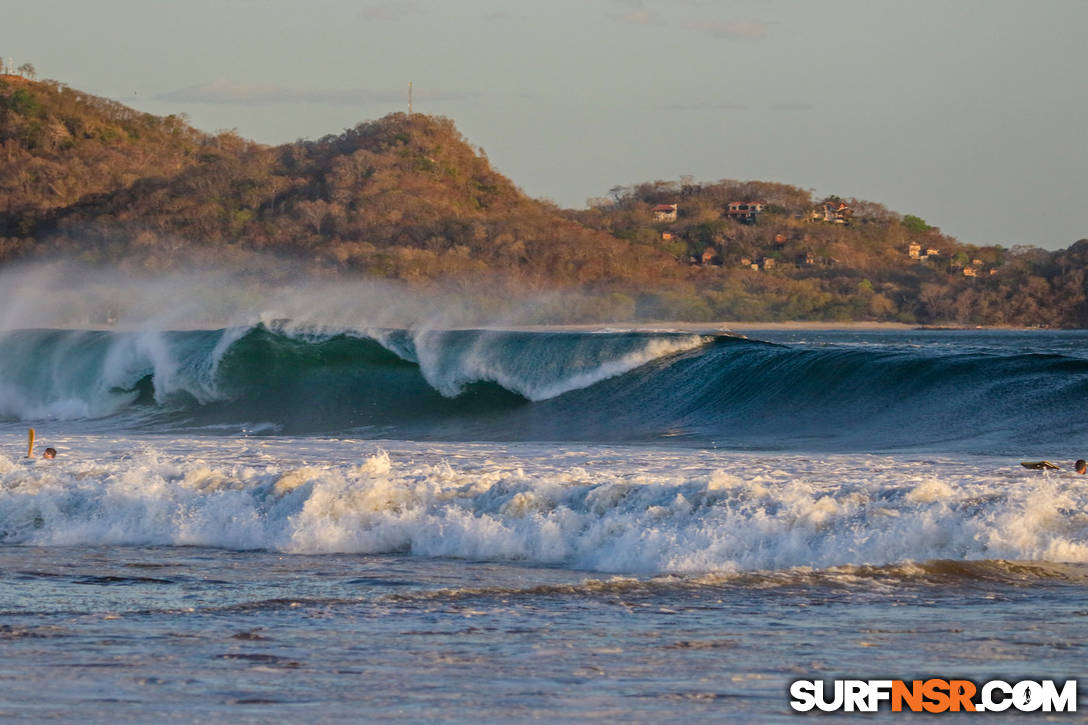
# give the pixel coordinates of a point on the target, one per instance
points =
(727, 327)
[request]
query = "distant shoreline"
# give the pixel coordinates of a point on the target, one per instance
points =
(726, 327)
(699, 328)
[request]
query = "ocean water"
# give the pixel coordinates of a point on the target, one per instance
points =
(287, 522)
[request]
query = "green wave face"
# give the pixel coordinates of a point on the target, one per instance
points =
(546, 386)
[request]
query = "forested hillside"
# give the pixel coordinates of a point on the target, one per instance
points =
(407, 198)
(789, 261)
(403, 197)
(59, 145)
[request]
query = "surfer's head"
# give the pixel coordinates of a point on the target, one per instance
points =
(1080, 466)
(50, 453)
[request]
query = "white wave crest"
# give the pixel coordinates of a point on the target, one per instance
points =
(656, 514)
(72, 374)
(533, 371)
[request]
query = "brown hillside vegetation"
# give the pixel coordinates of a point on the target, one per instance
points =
(403, 197)
(407, 198)
(784, 264)
(58, 145)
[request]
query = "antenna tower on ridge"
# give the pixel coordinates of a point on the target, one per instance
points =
(409, 98)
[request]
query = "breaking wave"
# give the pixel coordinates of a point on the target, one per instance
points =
(741, 514)
(545, 386)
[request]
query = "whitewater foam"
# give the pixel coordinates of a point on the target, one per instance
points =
(652, 512)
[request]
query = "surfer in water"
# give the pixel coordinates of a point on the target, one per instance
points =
(1080, 466)
(49, 453)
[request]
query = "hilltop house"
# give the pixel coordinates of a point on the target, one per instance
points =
(744, 211)
(665, 212)
(915, 251)
(832, 212)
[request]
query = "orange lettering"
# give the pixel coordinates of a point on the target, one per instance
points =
(961, 693)
(911, 695)
(937, 692)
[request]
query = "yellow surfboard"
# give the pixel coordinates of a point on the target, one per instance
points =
(1040, 465)
(30, 443)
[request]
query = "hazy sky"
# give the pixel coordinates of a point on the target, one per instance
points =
(968, 113)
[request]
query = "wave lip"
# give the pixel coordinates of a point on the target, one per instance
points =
(303, 378)
(721, 391)
(539, 365)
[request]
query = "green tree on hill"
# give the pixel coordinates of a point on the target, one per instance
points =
(914, 224)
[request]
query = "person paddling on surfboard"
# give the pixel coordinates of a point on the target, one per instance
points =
(1080, 466)
(1040, 465)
